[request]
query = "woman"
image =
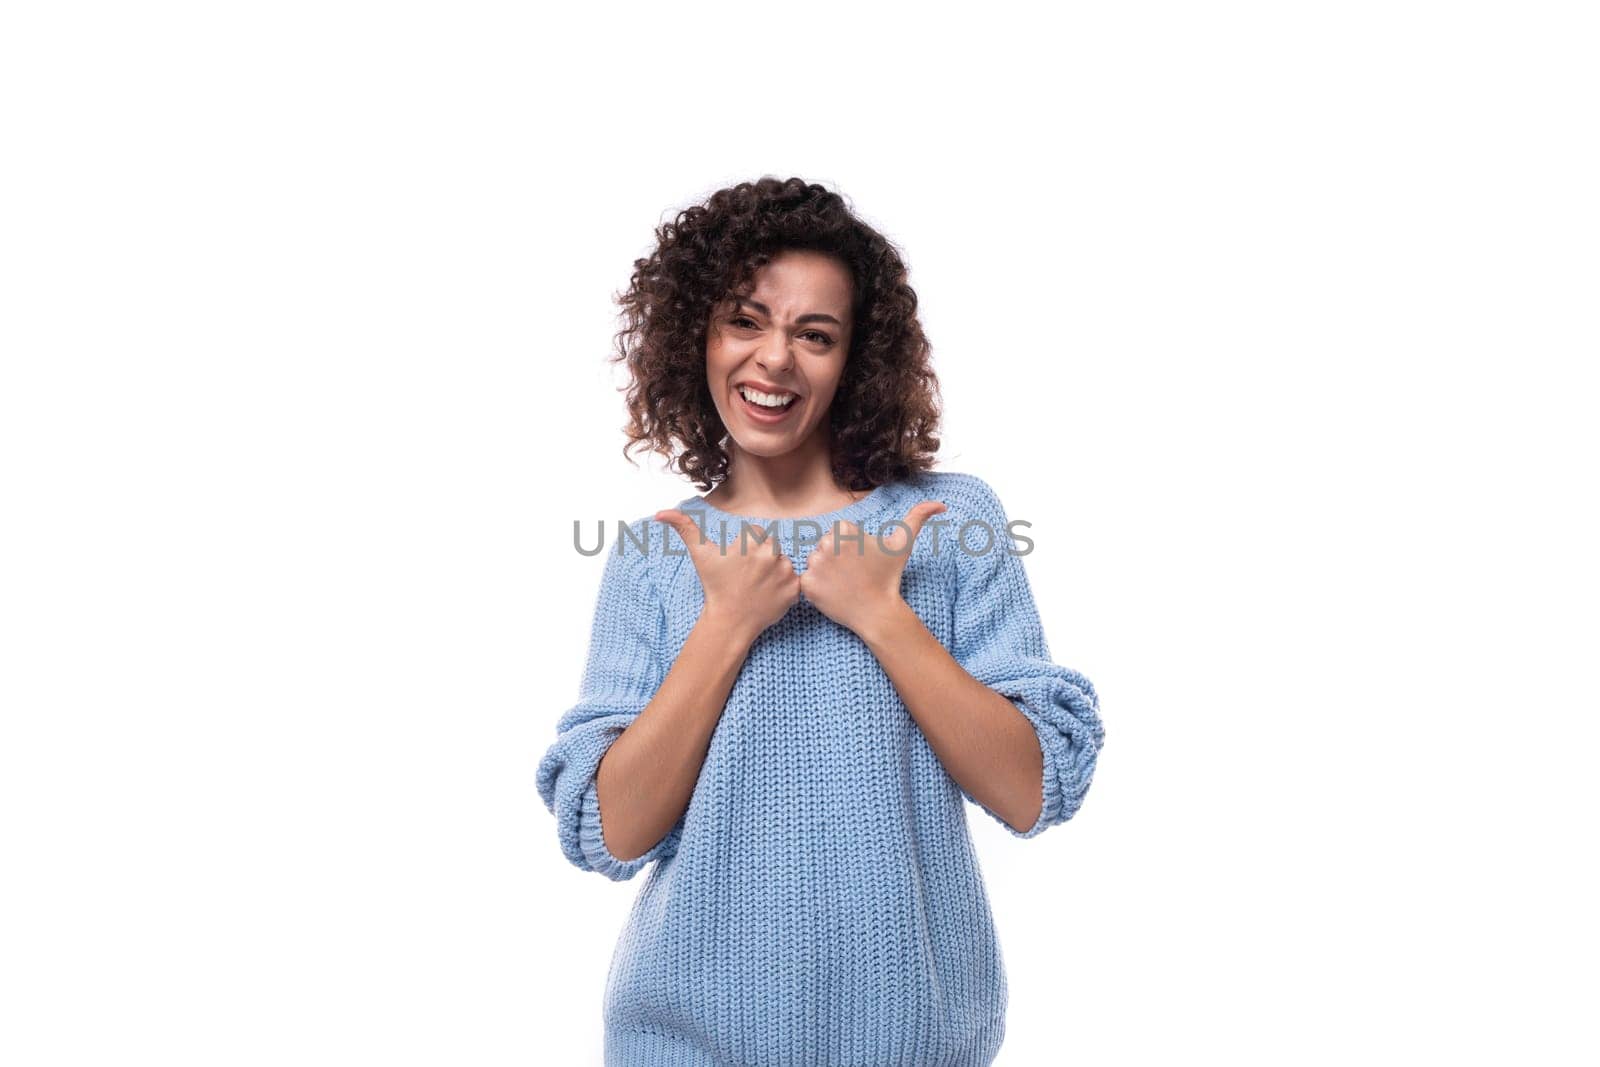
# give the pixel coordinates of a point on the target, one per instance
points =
(786, 728)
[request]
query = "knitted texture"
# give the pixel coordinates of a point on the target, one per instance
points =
(819, 902)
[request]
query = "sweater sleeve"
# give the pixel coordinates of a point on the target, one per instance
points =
(999, 640)
(622, 672)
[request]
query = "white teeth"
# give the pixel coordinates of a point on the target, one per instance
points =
(766, 400)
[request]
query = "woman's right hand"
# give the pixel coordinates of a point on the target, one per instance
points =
(750, 588)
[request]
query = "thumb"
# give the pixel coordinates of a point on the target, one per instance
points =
(687, 528)
(919, 514)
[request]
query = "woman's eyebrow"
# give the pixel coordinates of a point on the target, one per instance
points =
(814, 316)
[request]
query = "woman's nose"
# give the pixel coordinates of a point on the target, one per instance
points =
(775, 354)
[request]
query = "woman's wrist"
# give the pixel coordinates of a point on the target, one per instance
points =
(883, 621)
(728, 625)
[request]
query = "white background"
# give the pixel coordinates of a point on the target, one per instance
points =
(1277, 321)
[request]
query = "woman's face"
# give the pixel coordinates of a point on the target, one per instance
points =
(788, 336)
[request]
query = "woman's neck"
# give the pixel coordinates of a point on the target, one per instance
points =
(796, 483)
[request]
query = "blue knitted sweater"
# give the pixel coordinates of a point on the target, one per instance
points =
(819, 902)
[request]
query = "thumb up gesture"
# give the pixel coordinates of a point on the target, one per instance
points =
(749, 587)
(857, 583)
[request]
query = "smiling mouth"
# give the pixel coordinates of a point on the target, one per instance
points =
(767, 407)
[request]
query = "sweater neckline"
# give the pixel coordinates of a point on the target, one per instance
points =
(849, 513)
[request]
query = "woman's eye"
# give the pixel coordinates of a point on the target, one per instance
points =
(747, 323)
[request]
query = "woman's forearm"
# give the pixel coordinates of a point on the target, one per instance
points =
(647, 776)
(986, 744)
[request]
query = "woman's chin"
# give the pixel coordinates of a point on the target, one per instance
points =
(761, 441)
(766, 445)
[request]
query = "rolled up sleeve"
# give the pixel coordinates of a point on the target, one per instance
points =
(623, 670)
(999, 640)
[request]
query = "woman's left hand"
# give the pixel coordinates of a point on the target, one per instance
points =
(855, 583)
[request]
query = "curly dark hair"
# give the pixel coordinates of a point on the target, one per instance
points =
(886, 410)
